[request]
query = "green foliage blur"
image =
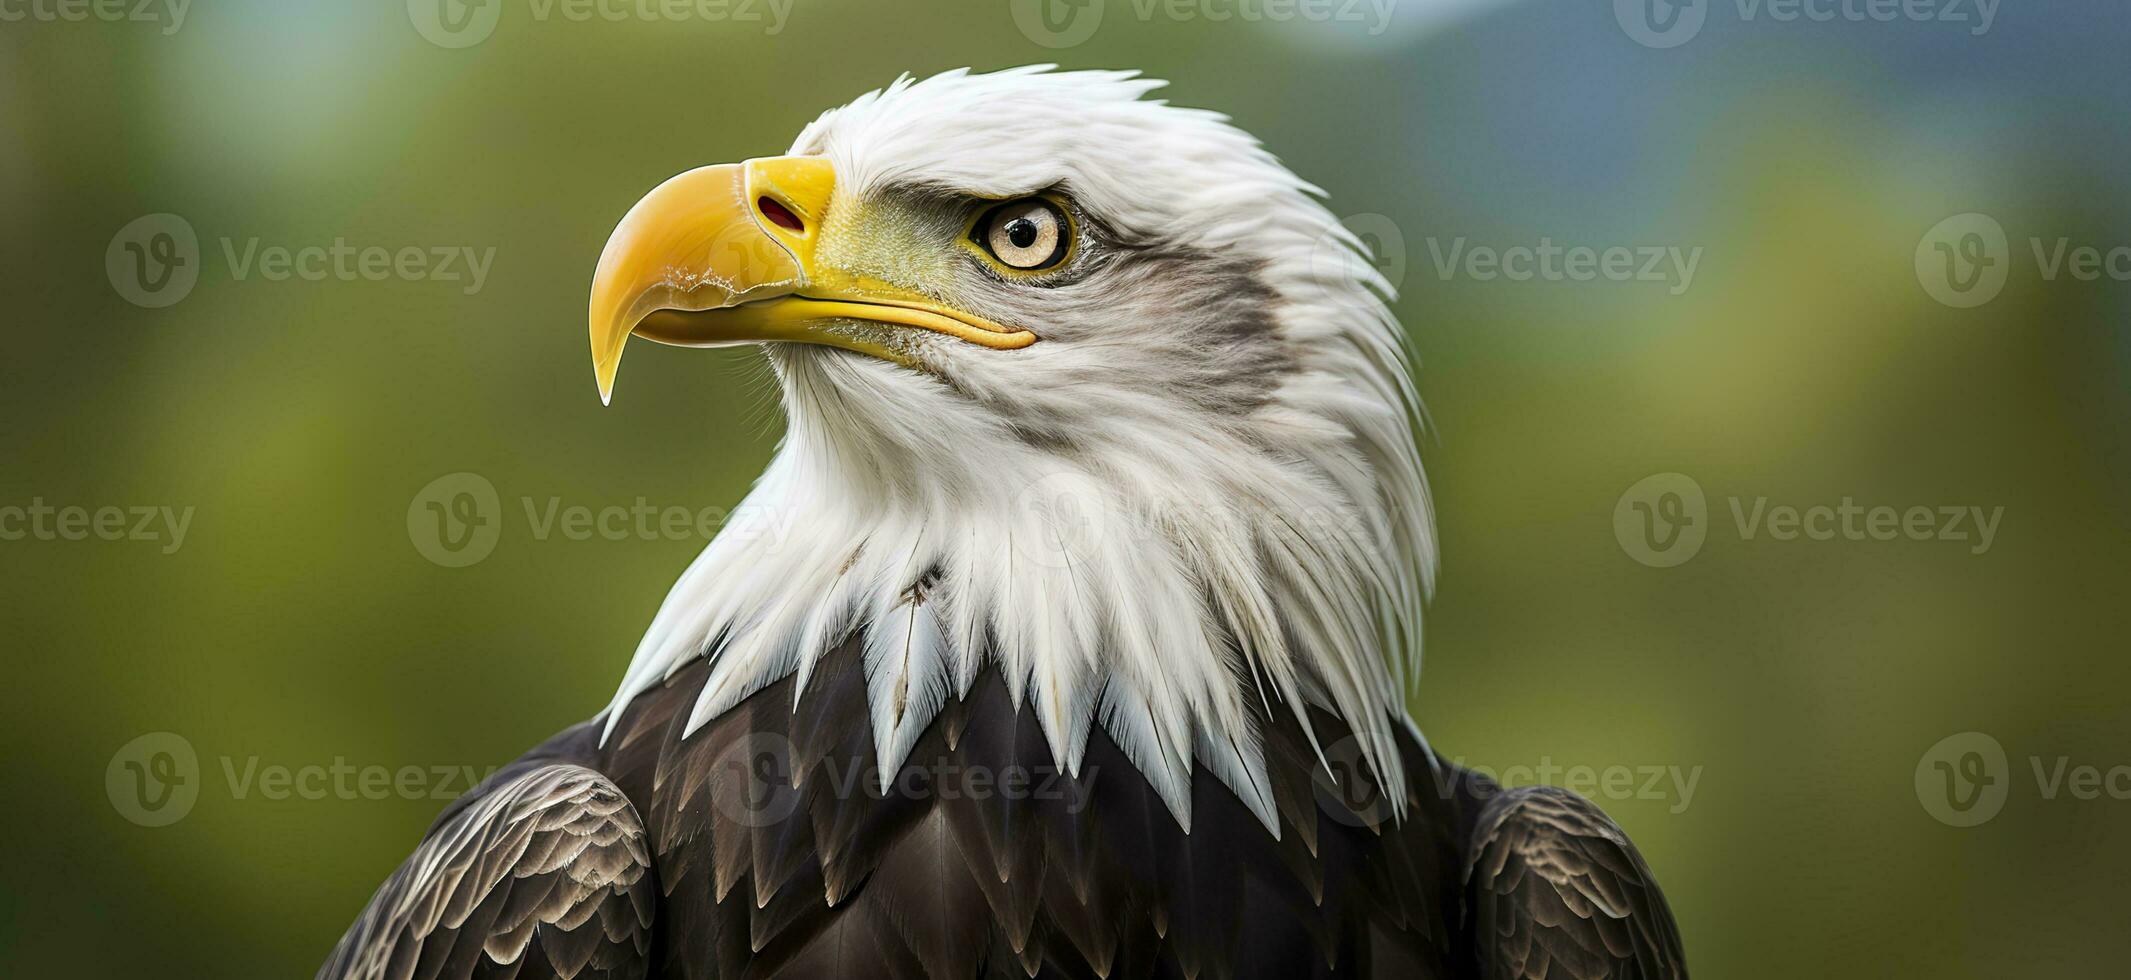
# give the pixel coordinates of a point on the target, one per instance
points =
(1800, 682)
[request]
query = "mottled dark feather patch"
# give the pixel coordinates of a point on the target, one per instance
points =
(769, 848)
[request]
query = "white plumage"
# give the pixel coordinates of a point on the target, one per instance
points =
(1146, 529)
(906, 678)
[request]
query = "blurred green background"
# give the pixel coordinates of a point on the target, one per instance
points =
(1802, 683)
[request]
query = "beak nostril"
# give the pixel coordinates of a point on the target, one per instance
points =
(780, 215)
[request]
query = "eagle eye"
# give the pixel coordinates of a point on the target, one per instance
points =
(1028, 235)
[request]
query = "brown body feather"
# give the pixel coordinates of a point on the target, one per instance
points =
(764, 846)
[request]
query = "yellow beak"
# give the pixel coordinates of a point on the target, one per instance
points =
(724, 255)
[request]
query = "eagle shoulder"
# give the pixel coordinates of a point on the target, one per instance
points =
(1557, 892)
(541, 872)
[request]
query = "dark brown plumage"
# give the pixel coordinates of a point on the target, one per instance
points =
(764, 846)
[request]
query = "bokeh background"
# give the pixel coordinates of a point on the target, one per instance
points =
(1801, 684)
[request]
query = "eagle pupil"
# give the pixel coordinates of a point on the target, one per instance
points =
(1022, 232)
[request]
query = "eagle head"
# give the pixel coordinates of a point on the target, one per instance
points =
(1080, 386)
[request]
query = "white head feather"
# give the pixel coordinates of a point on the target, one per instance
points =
(1198, 492)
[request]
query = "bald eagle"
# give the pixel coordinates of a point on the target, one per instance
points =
(1069, 632)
